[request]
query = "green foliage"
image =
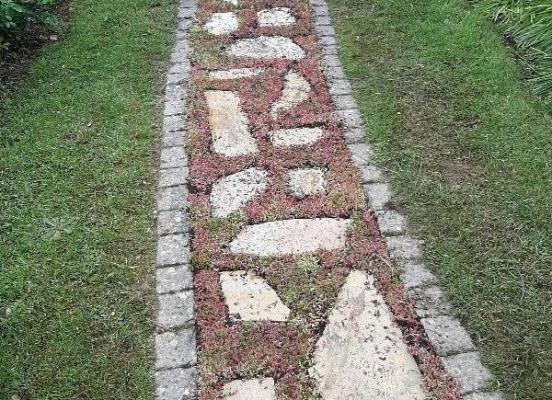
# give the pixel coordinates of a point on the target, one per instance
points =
(14, 14)
(529, 24)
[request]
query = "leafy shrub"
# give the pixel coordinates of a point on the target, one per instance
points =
(14, 15)
(529, 24)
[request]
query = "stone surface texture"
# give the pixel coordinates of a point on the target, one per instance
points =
(235, 73)
(295, 137)
(229, 125)
(296, 90)
(361, 354)
(253, 389)
(278, 16)
(267, 47)
(222, 23)
(250, 298)
(468, 371)
(305, 182)
(291, 237)
(447, 335)
(231, 193)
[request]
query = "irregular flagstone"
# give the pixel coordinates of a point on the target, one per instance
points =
(235, 73)
(250, 298)
(222, 23)
(361, 354)
(232, 192)
(253, 389)
(278, 16)
(267, 47)
(295, 136)
(296, 90)
(305, 182)
(228, 124)
(293, 236)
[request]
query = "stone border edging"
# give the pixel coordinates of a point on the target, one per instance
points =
(175, 337)
(448, 337)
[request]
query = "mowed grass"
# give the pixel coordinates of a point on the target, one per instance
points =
(470, 152)
(76, 201)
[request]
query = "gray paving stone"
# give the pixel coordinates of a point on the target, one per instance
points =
(175, 80)
(174, 123)
(391, 222)
(267, 47)
(327, 41)
(340, 87)
(172, 198)
(172, 157)
(361, 153)
(361, 354)
(404, 247)
(372, 174)
(447, 335)
(174, 107)
(468, 371)
(350, 118)
(378, 195)
(175, 310)
(176, 384)
(324, 30)
(322, 20)
(175, 92)
(331, 60)
(484, 396)
(332, 49)
(172, 139)
(335, 73)
(320, 10)
(173, 176)
(417, 275)
(181, 68)
(172, 249)
(175, 349)
(346, 101)
(430, 302)
(170, 222)
(174, 279)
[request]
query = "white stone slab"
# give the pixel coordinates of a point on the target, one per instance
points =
(250, 298)
(295, 137)
(278, 16)
(293, 236)
(228, 124)
(253, 389)
(267, 47)
(222, 23)
(232, 192)
(235, 73)
(233, 2)
(361, 354)
(305, 182)
(296, 90)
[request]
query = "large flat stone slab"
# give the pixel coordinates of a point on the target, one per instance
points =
(253, 389)
(293, 236)
(296, 90)
(229, 125)
(232, 192)
(222, 23)
(267, 47)
(295, 137)
(361, 354)
(250, 298)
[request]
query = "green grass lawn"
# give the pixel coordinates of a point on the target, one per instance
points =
(76, 201)
(470, 151)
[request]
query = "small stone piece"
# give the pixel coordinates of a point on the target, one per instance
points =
(296, 90)
(361, 354)
(447, 335)
(253, 389)
(174, 279)
(222, 23)
(390, 222)
(173, 176)
(416, 275)
(279, 16)
(468, 371)
(171, 198)
(175, 349)
(175, 310)
(235, 73)
(296, 137)
(267, 47)
(361, 153)
(228, 124)
(293, 236)
(172, 249)
(403, 247)
(250, 298)
(430, 302)
(172, 157)
(232, 192)
(378, 195)
(175, 384)
(171, 222)
(305, 182)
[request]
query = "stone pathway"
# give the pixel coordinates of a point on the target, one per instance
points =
(284, 270)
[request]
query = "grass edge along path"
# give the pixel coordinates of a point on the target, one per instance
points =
(76, 248)
(469, 149)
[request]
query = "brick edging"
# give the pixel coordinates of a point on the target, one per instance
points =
(448, 337)
(175, 337)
